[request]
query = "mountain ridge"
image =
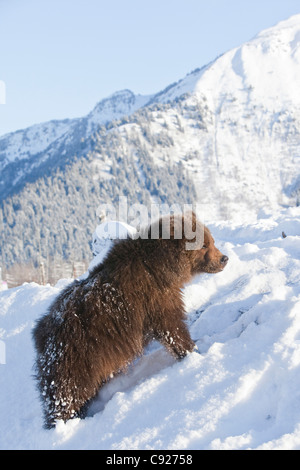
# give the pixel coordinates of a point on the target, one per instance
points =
(227, 136)
(23, 151)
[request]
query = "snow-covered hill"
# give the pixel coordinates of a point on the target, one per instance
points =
(234, 124)
(241, 392)
(248, 150)
(28, 142)
(24, 152)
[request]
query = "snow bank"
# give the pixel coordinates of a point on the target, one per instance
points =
(241, 392)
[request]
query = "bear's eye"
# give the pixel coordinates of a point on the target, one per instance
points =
(204, 246)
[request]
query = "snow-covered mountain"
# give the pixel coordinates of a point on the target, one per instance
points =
(43, 145)
(250, 140)
(28, 142)
(232, 126)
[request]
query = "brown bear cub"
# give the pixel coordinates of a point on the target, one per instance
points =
(97, 326)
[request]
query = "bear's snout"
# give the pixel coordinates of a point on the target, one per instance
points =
(224, 260)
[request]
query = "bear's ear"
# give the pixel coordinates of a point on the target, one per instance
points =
(193, 232)
(190, 219)
(168, 227)
(178, 227)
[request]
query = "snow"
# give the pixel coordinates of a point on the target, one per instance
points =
(240, 391)
(35, 139)
(105, 232)
(249, 99)
(236, 128)
(3, 285)
(121, 103)
(38, 138)
(274, 51)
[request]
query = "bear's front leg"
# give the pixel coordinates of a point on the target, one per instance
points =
(177, 340)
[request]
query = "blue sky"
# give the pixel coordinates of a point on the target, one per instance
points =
(58, 58)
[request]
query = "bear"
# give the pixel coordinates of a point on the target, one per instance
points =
(97, 326)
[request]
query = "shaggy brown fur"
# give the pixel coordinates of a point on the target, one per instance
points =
(97, 326)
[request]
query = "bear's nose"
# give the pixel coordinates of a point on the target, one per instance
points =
(224, 259)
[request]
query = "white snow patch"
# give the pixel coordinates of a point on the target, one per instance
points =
(241, 391)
